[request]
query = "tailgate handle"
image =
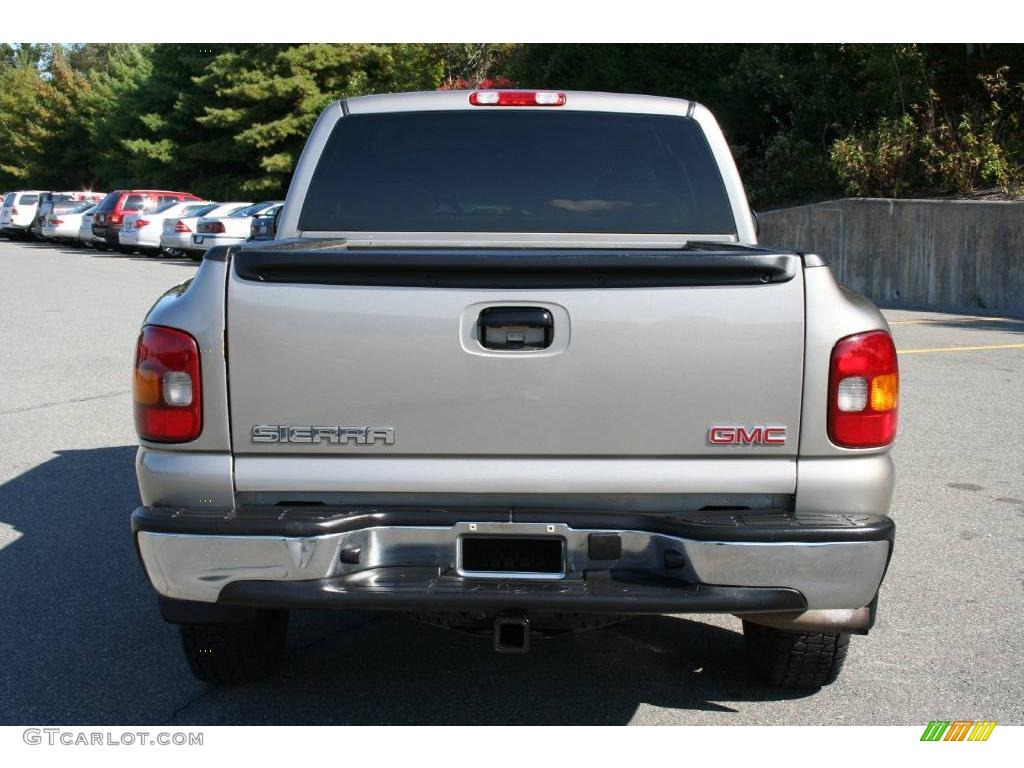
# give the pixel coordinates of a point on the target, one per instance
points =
(515, 328)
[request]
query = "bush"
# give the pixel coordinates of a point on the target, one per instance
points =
(930, 151)
(788, 169)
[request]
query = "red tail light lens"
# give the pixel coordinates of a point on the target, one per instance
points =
(864, 386)
(114, 218)
(14, 211)
(167, 389)
(181, 226)
(140, 223)
(54, 222)
(211, 227)
(517, 99)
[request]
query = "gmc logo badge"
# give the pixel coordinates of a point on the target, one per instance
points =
(756, 435)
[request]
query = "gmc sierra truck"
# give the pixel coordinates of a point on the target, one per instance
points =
(515, 364)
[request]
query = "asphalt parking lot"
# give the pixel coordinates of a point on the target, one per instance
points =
(81, 640)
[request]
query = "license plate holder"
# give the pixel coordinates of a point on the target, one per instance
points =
(509, 556)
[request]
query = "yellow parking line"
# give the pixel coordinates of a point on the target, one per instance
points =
(958, 349)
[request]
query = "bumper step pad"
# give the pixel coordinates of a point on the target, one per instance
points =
(411, 588)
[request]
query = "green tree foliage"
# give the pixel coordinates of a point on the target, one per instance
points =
(111, 115)
(166, 143)
(931, 150)
(62, 154)
(20, 88)
(228, 121)
(266, 98)
(780, 106)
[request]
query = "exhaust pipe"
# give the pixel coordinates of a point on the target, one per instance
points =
(512, 634)
(855, 621)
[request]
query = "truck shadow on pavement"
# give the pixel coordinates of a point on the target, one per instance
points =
(83, 642)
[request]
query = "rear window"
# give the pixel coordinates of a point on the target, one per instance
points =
(165, 206)
(28, 199)
(527, 171)
(198, 210)
(109, 202)
(9, 200)
(226, 210)
(249, 210)
(136, 203)
(270, 212)
(80, 207)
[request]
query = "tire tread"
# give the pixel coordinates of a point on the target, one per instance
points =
(236, 653)
(795, 659)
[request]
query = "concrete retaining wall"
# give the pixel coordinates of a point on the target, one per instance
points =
(946, 254)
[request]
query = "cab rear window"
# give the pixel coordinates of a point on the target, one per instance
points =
(517, 171)
(28, 199)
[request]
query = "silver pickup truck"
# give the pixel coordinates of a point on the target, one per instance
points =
(515, 364)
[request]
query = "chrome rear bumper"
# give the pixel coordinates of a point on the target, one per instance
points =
(832, 566)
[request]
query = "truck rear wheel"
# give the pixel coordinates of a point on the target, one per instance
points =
(794, 659)
(236, 653)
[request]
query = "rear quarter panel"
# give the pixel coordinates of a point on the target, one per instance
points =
(831, 478)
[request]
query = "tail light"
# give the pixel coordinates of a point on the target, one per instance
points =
(167, 389)
(114, 218)
(14, 210)
(211, 227)
(140, 223)
(54, 222)
(516, 99)
(181, 226)
(864, 391)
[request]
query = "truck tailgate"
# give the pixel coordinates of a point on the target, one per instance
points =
(376, 352)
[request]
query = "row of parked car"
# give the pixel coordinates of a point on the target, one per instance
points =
(147, 221)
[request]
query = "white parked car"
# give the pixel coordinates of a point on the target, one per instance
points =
(141, 231)
(18, 212)
(85, 235)
(177, 232)
(56, 203)
(65, 225)
(226, 230)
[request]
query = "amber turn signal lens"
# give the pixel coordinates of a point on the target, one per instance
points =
(885, 392)
(146, 388)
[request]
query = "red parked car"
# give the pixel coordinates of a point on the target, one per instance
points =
(106, 222)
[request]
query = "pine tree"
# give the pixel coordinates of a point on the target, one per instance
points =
(267, 98)
(20, 87)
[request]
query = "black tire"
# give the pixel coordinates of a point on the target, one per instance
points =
(794, 659)
(125, 250)
(236, 653)
(195, 255)
(100, 247)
